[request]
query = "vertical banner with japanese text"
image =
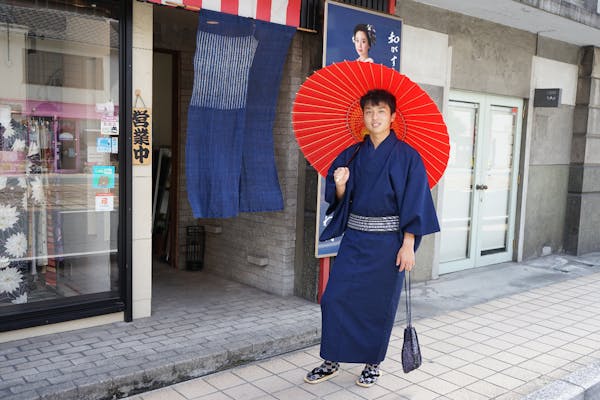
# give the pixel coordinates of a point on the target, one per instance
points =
(353, 33)
(141, 136)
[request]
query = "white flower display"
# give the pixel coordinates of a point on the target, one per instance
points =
(4, 263)
(16, 245)
(2, 182)
(18, 145)
(22, 183)
(37, 190)
(20, 299)
(10, 279)
(8, 217)
(8, 132)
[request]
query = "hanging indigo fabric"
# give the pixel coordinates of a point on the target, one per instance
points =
(259, 186)
(225, 48)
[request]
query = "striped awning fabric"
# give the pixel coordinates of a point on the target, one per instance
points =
(285, 12)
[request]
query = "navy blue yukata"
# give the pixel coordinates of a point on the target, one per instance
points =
(363, 291)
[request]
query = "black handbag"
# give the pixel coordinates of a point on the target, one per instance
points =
(411, 352)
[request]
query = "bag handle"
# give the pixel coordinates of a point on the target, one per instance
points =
(354, 154)
(408, 299)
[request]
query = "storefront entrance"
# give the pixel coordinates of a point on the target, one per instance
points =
(479, 194)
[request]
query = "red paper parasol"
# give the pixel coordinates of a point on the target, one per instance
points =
(327, 117)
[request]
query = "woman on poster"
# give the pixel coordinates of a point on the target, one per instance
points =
(364, 39)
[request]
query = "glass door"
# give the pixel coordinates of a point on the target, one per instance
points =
(480, 182)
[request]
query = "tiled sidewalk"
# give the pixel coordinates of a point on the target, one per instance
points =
(503, 349)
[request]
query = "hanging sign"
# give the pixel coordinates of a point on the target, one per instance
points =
(141, 136)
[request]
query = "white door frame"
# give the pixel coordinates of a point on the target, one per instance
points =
(485, 103)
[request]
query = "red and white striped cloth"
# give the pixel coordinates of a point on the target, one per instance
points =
(286, 12)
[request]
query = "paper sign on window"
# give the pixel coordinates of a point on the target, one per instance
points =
(105, 202)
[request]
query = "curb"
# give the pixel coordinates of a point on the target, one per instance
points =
(134, 381)
(583, 384)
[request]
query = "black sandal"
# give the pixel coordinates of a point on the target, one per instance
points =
(368, 376)
(323, 372)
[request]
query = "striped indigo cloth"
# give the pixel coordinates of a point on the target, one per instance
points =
(217, 113)
(230, 163)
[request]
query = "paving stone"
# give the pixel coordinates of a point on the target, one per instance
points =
(8, 383)
(28, 395)
(29, 386)
(20, 373)
(64, 339)
(68, 377)
(22, 354)
(4, 350)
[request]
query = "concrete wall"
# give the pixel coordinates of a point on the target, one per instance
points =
(486, 57)
(583, 207)
(549, 156)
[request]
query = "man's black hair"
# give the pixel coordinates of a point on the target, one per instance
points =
(376, 96)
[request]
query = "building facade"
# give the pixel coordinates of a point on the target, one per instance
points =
(78, 226)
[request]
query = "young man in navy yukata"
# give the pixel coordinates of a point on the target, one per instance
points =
(380, 197)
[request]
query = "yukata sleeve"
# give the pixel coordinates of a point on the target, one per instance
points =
(415, 205)
(330, 191)
(340, 208)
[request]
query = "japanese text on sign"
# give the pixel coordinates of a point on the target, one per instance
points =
(141, 136)
(394, 42)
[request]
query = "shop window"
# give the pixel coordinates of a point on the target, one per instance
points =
(60, 163)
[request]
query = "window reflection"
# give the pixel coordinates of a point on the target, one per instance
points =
(59, 142)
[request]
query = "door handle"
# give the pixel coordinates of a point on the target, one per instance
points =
(481, 187)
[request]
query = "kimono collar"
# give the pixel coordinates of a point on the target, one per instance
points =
(390, 140)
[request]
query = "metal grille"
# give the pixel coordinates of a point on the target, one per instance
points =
(311, 13)
(377, 5)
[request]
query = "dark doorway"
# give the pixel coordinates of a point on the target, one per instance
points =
(165, 95)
